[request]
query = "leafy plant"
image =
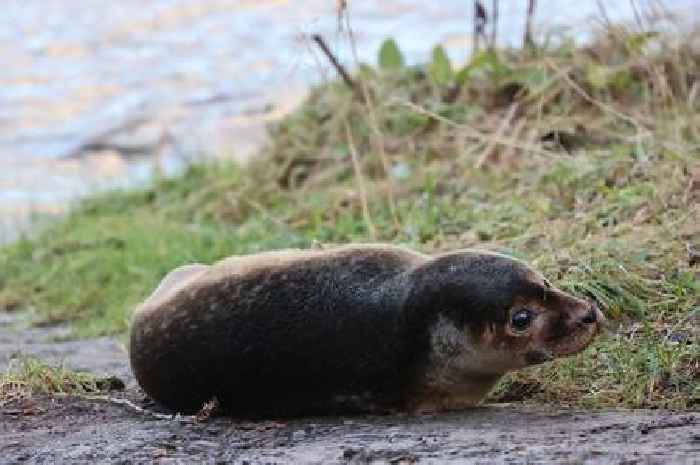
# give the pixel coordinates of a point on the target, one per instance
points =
(440, 68)
(390, 57)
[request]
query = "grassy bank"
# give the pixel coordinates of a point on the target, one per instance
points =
(583, 161)
(28, 376)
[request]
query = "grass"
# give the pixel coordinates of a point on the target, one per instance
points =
(29, 376)
(580, 160)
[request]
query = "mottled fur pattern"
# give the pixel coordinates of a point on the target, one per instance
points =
(354, 328)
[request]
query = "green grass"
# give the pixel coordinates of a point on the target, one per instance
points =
(29, 376)
(606, 212)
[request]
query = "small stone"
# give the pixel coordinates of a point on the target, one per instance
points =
(679, 337)
(205, 444)
(110, 383)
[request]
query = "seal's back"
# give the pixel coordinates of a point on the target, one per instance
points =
(275, 331)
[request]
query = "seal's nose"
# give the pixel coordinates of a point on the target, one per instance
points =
(590, 317)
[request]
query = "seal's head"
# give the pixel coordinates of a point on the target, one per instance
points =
(488, 314)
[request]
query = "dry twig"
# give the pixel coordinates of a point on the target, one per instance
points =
(474, 134)
(528, 41)
(360, 182)
(378, 137)
(498, 135)
(334, 61)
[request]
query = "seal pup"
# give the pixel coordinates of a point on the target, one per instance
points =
(359, 328)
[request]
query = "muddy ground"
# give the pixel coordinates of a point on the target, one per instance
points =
(62, 430)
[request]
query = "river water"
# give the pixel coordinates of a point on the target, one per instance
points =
(162, 82)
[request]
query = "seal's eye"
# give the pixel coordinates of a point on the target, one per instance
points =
(521, 319)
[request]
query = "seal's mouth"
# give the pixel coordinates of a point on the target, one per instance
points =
(576, 342)
(574, 345)
(584, 324)
(536, 357)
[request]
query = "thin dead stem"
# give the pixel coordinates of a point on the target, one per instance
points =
(637, 17)
(334, 61)
(476, 135)
(378, 137)
(498, 135)
(265, 213)
(515, 135)
(604, 14)
(480, 19)
(132, 406)
(528, 41)
(494, 24)
(360, 182)
(603, 106)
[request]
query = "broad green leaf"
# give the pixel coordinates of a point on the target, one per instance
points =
(463, 75)
(488, 60)
(390, 57)
(598, 76)
(440, 69)
(484, 62)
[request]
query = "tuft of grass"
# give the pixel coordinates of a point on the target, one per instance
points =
(580, 160)
(646, 368)
(27, 376)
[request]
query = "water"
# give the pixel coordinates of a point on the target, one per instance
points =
(202, 78)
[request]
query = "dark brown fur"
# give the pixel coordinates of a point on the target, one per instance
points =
(352, 328)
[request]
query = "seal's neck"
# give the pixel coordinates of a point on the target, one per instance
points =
(454, 374)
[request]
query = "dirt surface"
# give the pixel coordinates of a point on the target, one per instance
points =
(48, 430)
